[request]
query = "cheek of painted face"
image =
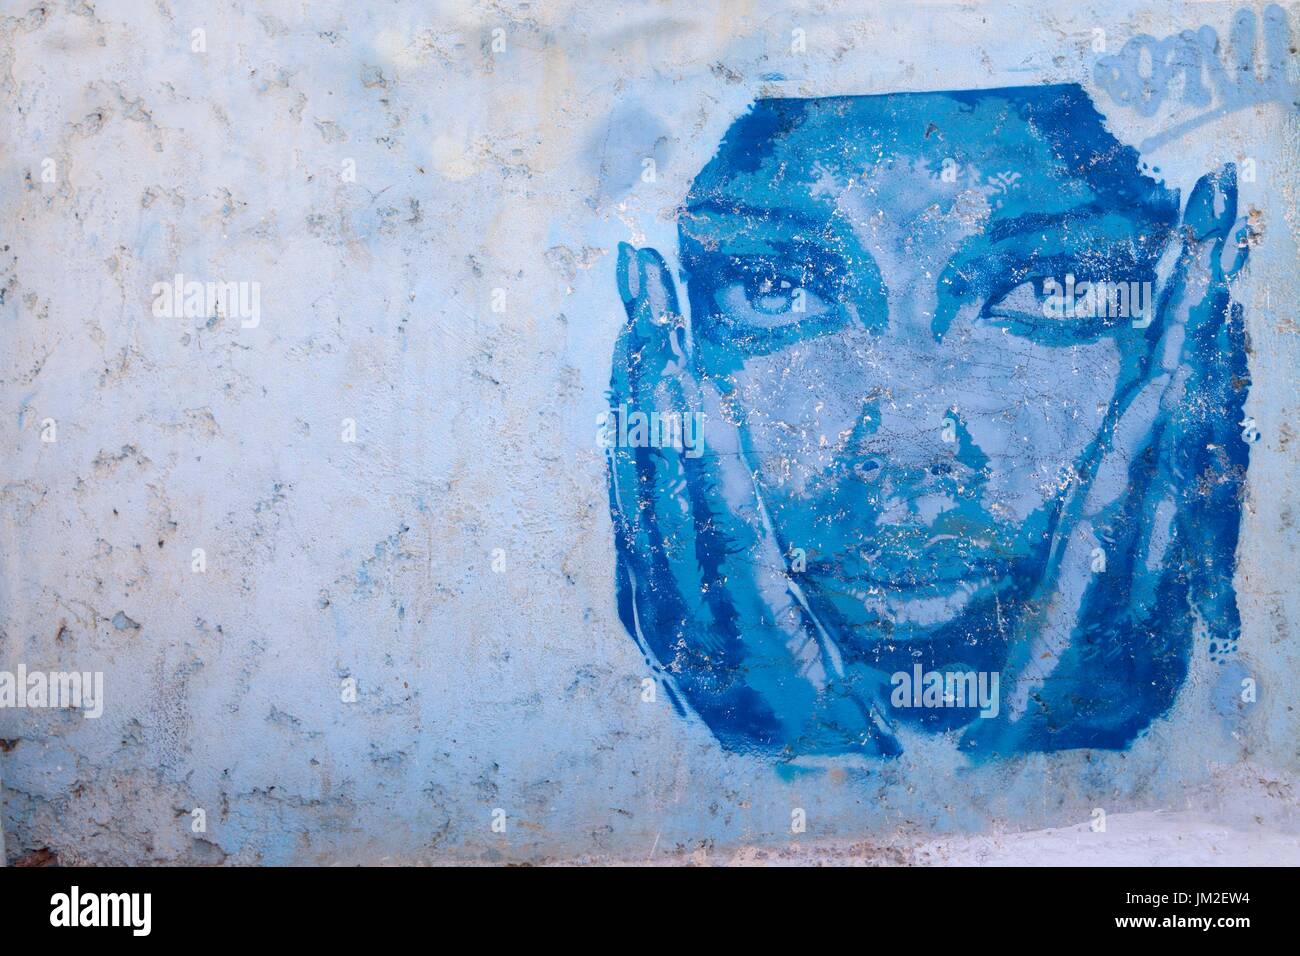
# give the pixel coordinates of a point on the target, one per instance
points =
(800, 406)
(1032, 409)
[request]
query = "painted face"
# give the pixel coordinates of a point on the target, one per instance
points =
(873, 279)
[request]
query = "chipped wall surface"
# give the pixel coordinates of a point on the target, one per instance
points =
(383, 440)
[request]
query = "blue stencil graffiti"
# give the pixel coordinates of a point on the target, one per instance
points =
(928, 492)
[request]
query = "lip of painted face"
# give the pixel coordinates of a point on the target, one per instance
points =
(870, 288)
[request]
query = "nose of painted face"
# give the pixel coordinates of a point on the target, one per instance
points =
(900, 563)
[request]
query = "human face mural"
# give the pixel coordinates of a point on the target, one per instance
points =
(946, 486)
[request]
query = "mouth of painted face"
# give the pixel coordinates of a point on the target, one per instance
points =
(904, 582)
(873, 580)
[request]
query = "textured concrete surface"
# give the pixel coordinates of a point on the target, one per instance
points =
(429, 197)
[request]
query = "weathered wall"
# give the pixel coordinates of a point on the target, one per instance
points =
(379, 170)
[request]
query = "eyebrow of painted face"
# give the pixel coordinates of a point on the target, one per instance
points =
(820, 251)
(1144, 222)
(1107, 240)
(749, 230)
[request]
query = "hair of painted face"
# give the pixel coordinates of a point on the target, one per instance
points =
(1052, 135)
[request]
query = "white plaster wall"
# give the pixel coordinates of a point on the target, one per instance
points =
(515, 169)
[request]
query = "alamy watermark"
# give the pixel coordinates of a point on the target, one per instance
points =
(1072, 299)
(179, 299)
(75, 908)
(78, 690)
(922, 688)
(620, 428)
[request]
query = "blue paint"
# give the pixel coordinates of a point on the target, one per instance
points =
(905, 455)
(1145, 71)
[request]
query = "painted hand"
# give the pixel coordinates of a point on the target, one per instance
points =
(702, 583)
(1073, 685)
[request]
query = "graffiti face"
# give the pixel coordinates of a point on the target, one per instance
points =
(970, 382)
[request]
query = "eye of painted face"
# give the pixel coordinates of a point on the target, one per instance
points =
(1026, 299)
(773, 296)
(754, 302)
(764, 293)
(1059, 311)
